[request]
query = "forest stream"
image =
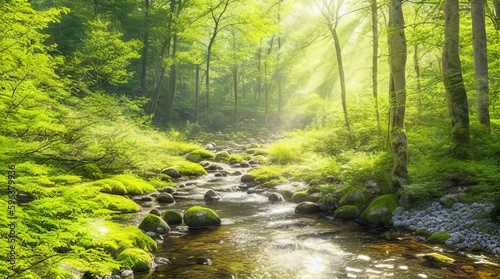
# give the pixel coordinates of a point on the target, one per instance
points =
(260, 239)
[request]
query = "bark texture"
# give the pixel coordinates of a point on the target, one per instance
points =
(397, 89)
(452, 76)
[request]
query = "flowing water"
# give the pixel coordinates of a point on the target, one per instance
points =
(259, 239)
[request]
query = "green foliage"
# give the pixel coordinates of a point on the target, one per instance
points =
(285, 153)
(359, 167)
(199, 155)
(347, 212)
(66, 179)
(353, 196)
(438, 237)
(91, 170)
(135, 259)
(117, 203)
(268, 175)
(299, 196)
(115, 238)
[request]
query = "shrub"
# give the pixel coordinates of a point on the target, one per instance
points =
(284, 153)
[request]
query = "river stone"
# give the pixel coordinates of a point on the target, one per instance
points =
(172, 217)
(160, 261)
(201, 217)
(136, 259)
(211, 196)
(145, 198)
(204, 261)
(165, 198)
(276, 197)
(380, 209)
(353, 196)
(307, 208)
(171, 172)
(439, 259)
(314, 197)
(247, 178)
(300, 196)
(151, 223)
(170, 190)
(127, 273)
(24, 198)
(155, 212)
(347, 212)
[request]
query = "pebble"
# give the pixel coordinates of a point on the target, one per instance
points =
(465, 222)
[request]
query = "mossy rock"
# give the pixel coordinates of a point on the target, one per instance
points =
(300, 196)
(438, 237)
(135, 259)
(172, 217)
(27, 275)
(307, 207)
(354, 196)
(347, 212)
(199, 155)
(165, 198)
(111, 186)
(153, 223)
(222, 156)
(187, 168)
(91, 170)
(117, 203)
(201, 217)
(119, 238)
(124, 184)
(380, 209)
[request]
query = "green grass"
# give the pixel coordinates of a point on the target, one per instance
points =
(268, 175)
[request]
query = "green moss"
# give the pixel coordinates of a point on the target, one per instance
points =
(380, 209)
(66, 179)
(186, 168)
(136, 259)
(268, 175)
(284, 153)
(172, 217)
(200, 217)
(152, 222)
(347, 212)
(199, 155)
(124, 184)
(116, 238)
(26, 275)
(353, 196)
(223, 157)
(32, 169)
(299, 196)
(438, 237)
(117, 203)
(91, 170)
(439, 259)
(422, 232)
(259, 159)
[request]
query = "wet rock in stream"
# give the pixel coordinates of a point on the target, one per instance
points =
(276, 197)
(307, 208)
(204, 261)
(212, 196)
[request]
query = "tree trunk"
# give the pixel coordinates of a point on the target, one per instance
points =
(452, 76)
(375, 62)
(235, 89)
(480, 61)
(397, 90)
(338, 53)
(259, 74)
(172, 82)
(197, 91)
(416, 66)
(145, 42)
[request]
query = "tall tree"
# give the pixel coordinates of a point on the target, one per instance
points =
(397, 89)
(374, 17)
(480, 60)
(145, 48)
(452, 76)
(330, 10)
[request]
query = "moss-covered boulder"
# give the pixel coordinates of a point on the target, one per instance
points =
(118, 238)
(353, 196)
(201, 217)
(135, 259)
(125, 184)
(172, 217)
(347, 212)
(153, 223)
(300, 196)
(380, 209)
(247, 178)
(222, 156)
(438, 237)
(199, 155)
(307, 208)
(165, 198)
(187, 168)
